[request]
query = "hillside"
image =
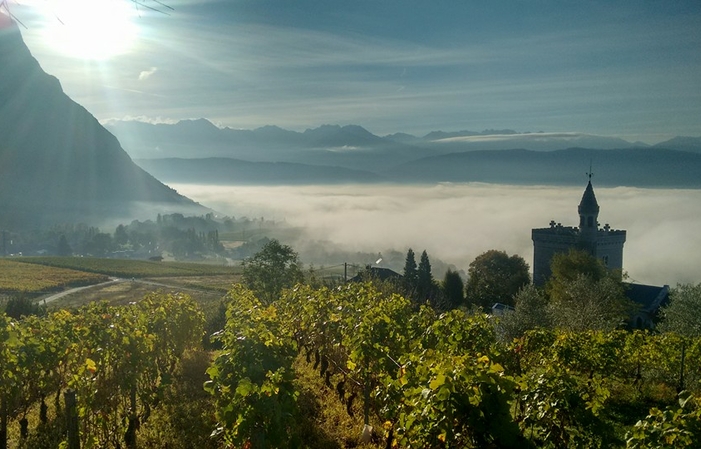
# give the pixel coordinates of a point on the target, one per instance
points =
(57, 163)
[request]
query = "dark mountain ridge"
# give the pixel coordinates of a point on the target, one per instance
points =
(639, 167)
(57, 163)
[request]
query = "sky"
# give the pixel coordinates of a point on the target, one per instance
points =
(457, 222)
(629, 69)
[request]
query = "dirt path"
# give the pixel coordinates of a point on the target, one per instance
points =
(70, 291)
(112, 281)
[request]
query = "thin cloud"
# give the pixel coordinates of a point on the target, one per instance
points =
(146, 74)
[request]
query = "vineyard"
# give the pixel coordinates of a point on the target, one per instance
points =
(110, 364)
(422, 380)
(128, 268)
(19, 277)
(401, 375)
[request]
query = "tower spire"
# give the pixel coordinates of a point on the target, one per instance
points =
(588, 211)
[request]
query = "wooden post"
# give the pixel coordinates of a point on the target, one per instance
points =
(3, 423)
(130, 434)
(72, 432)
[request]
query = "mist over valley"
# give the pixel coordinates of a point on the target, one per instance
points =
(456, 222)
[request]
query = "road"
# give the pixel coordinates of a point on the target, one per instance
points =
(113, 280)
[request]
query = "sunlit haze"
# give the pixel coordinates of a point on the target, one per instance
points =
(89, 29)
(457, 222)
(621, 68)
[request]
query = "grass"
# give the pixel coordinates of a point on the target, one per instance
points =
(21, 277)
(324, 421)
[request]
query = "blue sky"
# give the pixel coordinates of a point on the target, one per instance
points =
(630, 69)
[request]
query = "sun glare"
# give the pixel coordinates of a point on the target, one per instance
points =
(91, 29)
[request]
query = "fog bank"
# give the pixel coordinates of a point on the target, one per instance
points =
(457, 222)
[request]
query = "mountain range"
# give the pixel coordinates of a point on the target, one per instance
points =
(57, 163)
(197, 151)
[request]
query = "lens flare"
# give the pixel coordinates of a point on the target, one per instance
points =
(91, 29)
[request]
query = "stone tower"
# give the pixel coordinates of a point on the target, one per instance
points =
(603, 243)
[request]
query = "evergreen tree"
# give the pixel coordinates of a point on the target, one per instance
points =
(411, 275)
(452, 290)
(426, 286)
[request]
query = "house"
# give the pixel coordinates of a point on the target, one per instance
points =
(650, 299)
(376, 274)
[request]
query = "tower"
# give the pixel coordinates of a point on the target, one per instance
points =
(603, 243)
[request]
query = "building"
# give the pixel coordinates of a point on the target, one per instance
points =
(603, 243)
(649, 299)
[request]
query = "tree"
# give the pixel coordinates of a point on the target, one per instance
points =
(273, 268)
(588, 304)
(494, 276)
(63, 249)
(584, 294)
(425, 284)
(567, 267)
(99, 245)
(681, 315)
(452, 290)
(120, 235)
(411, 276)
(531, 311)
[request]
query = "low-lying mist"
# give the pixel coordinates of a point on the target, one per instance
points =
(457, 222)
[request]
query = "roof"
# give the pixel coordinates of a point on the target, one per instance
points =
(649, 297)
(381, 274)
(589, 205)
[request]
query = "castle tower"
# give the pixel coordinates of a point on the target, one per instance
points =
(604, 243)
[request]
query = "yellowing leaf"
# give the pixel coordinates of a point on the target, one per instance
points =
(437, 382)
(90, 365)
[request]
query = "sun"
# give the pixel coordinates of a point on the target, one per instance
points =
(91, 29)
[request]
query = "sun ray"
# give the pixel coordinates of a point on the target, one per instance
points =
(91, 29)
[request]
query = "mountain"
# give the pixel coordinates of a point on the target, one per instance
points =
(348, 146)
(640, 167)
(57, 163)
(692, 144)
(227, 171)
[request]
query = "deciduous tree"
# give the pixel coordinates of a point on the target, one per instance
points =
(494, 276)
(588, 304)
(531, 311)
(682, 314)
(273, 268)
(567, 267)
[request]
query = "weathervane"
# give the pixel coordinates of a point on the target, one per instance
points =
(590, 173)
